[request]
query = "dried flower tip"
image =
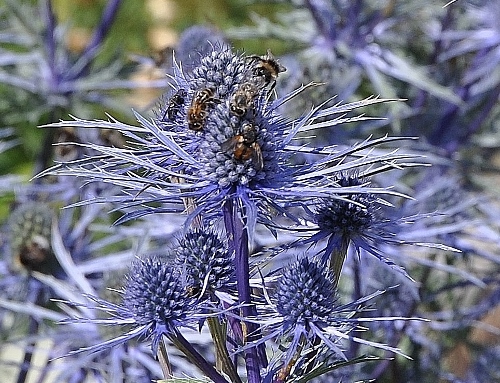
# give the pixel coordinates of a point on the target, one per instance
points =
(30, 233)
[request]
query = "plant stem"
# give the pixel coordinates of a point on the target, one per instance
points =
(223, 360)
(108, 17)
(196, 358)
(237, 234)
(35, 297)
(166, 368)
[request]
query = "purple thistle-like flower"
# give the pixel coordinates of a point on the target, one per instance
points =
(305, 294)
(208, 265)
(155, 303)
(306, 310)
(221, 70)
(355, 220)
(246, 155)
(305, 300)
(155, 294)
(347, 217)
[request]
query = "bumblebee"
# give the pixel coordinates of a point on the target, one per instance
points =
(242, 99)
(244, 146)
(174, 105)
(266, 69)
(198, 111)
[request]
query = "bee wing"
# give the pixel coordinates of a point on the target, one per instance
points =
(229, 145)
(257, 159)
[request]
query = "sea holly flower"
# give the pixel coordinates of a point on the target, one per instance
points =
(220, 149)
(355, 219)
(155, 304)
(229, 149)
(247, 158)
(365, 222)
(207, 264)
(304, 312)
(154, 297)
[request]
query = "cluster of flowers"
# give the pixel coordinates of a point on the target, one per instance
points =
(264, 174)
(220, 151)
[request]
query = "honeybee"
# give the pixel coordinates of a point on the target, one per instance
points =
(242, 99)
(174, 105)
(65, 149)
(193, 290)
(197, 112)
(244, 146)
(163, 58)
(266, 68)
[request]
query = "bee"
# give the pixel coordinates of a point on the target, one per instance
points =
(197, 112)
(244, 146)
(163, 58)
(242, 99)
(66, 145)
(174, 105)
(35, 254)
(193, 290)
(266, 68)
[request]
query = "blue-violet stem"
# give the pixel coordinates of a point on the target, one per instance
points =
(237, 234)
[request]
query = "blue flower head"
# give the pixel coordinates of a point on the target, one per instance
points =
(345, 220)
(348, 217)
(155, 296)
(154, 304)
(305, 295)
(207, 263)
(221, 70)
(353, 219)
(220, 136)
(223, 123)
(306, 313)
